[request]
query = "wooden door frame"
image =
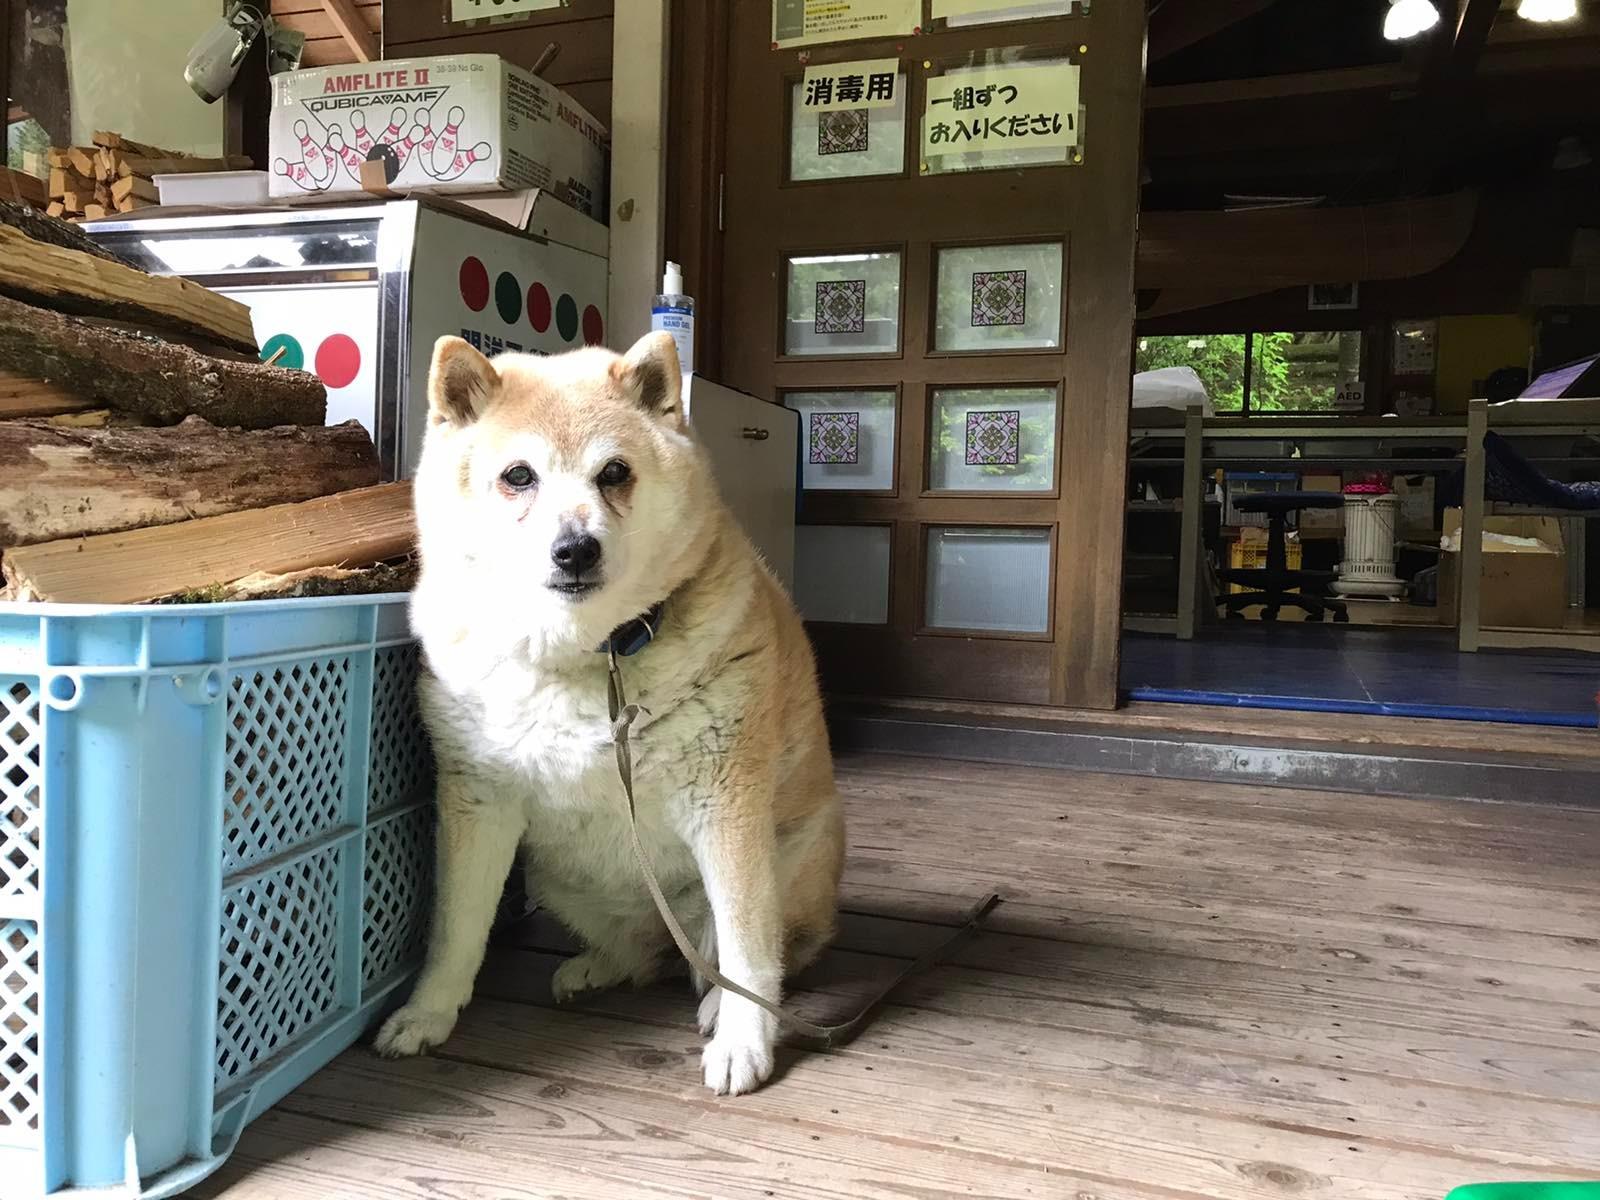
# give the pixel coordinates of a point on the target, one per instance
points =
(697, 103)
(1089, 511)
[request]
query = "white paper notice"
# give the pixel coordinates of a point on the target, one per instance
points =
(836, 87)
(807, 22)
(1001, 108)
(472, 10)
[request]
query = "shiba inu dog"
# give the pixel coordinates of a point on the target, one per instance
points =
(562, 503)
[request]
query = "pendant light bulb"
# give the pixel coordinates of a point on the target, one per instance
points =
(1408, 18)
(1545, 11)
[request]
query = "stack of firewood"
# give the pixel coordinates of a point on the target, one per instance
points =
(116, 175)
(146, 453)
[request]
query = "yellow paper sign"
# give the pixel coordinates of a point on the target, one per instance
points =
(1001, 108)
(807, 22)
(836, 87)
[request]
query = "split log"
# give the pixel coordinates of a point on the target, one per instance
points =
(64, 482)
(133, 204)
(53, 233)
(55, 209)
(82, 160)
(46, 273)
(65, 179)
(134, 185)
(56, 156)
(160, 381)
(137, 164)
(94, 212)
(21, 396)
(357, 528)
(115, 141)
(318, 581)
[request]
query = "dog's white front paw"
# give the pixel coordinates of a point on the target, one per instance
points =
(412, 1030)
(710, 1003)
(586, 972)
(738, 1059)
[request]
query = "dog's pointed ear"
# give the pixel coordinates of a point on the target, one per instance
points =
(461, 382)
(651, 375)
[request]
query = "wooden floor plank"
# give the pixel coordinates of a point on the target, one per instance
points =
(1079, 894)
(973, 1115)
(622, 1122)
(1193, 992)
(959, 1020)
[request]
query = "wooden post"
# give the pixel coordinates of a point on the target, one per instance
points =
(1193, 518)
(1472, 511)
(638, 167)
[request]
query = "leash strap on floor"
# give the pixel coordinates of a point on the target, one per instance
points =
(623, 715)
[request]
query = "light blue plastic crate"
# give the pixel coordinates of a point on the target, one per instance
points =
(215, 865)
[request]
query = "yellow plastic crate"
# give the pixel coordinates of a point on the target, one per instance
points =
(1250, 552)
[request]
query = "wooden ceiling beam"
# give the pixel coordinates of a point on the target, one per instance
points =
(353, 30)
(1179, 24)
(1342, 80)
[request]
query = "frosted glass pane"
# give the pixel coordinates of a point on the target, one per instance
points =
(843, 304)
(848, 144)
(989, 578)
(999, 297)
(993, 440)
(847, 440)
(841, 573)
(990, 160)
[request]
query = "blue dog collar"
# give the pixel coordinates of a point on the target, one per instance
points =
(633, 636)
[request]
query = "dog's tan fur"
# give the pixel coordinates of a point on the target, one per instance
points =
(736, 798)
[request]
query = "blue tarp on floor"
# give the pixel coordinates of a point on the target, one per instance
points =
(1333, 669)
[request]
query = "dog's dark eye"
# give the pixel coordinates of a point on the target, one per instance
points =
(615, 473)
(519, 478)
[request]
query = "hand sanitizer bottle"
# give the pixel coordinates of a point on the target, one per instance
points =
(673, 312)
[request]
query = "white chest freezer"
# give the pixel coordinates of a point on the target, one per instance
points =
(359, 292)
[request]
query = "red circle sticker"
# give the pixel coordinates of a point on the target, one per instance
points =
(539, 308)
(338, 360)
(474, 283)
(594, 328)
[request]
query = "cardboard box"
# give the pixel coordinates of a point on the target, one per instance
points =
(1416, 506)
(1325, 522)
(451, 123)
(1523, 587)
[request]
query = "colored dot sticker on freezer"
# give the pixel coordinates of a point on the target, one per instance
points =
(594, 328)
(474, 284)
(539, 308)
(567, 317)
(338, 360)
(292, 357)
(508, 297)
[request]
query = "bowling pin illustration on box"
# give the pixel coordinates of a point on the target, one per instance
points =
(435, 154)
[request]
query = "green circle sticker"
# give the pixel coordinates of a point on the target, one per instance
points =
(292, 357)
(567, 317)
(508, 297)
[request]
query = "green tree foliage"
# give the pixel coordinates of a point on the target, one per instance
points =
(1291, 372)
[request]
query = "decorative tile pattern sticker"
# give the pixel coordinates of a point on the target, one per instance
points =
(842, 132)
(841, 306)
(993, 438)
(999, 298)
(835, 438)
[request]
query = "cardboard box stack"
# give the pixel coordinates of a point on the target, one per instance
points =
(456, 123)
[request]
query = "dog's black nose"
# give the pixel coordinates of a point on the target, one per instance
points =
(576, 553)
